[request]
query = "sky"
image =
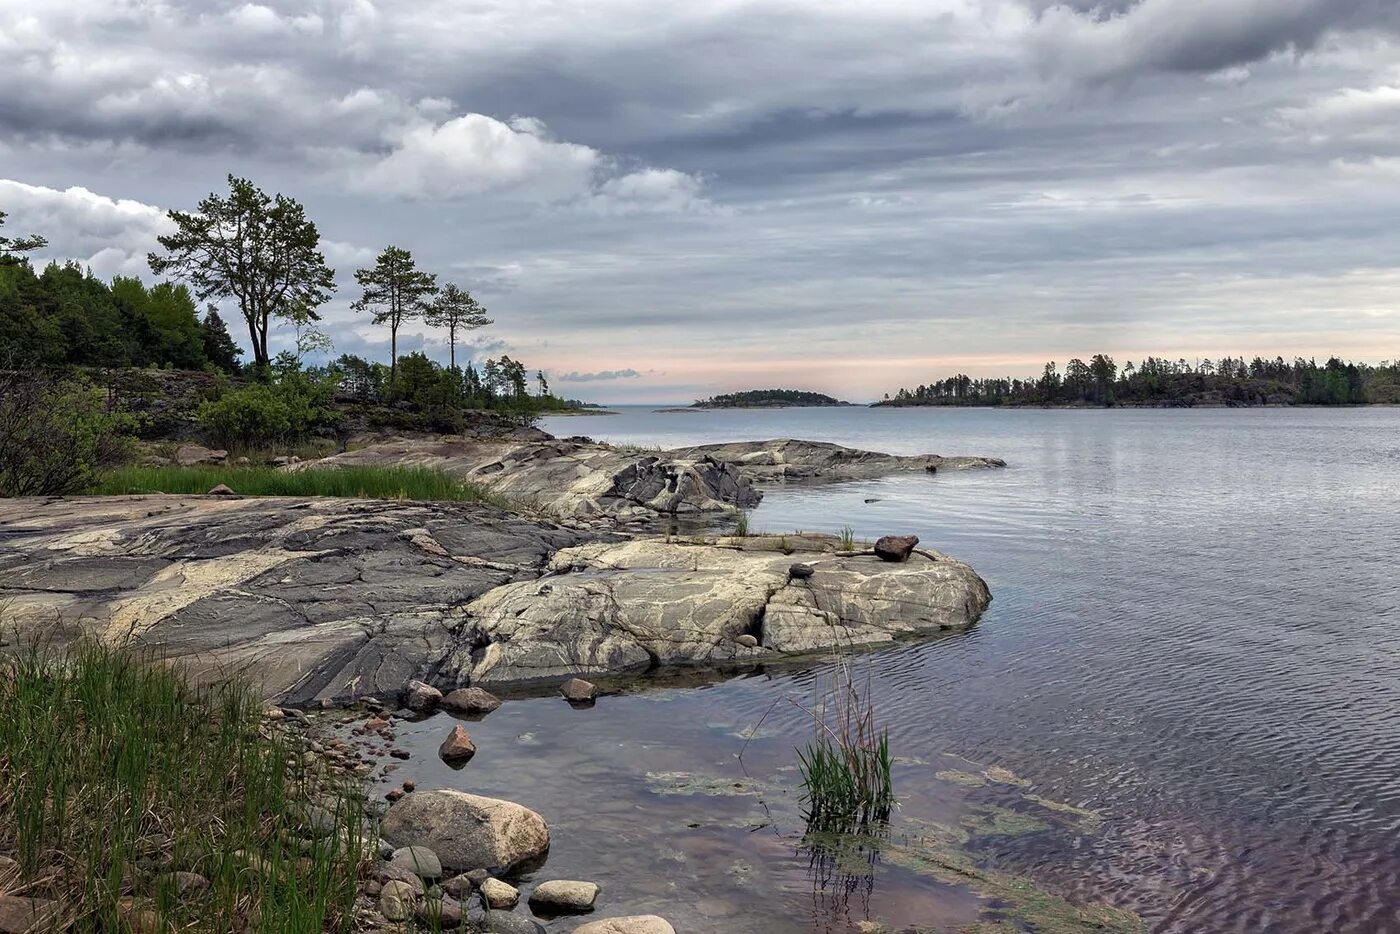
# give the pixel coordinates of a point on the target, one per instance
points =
(660, 201)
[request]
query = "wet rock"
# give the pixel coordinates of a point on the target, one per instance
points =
(563, 895)
(457, 748)
(632, 924)
(468, 831)
(747, 641)
(396, 900)
(579, 691)
(472, 700)
(509, 922)
(895, 548)
(800, 572)
(498, 894)
(419, 860)
(459, 886)
(421, 698)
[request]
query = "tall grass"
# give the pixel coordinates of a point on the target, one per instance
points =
(115, 774)
(403, 483)
(846, 768)
(741, 527)
(848, 538)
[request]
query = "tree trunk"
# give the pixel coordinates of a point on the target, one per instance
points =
(393, 355)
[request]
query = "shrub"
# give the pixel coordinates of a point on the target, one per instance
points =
(55, 435)
(268, 414)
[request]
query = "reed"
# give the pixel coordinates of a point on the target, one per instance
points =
(115, 774)
(845, 769)
(848, 538)
(741, 527)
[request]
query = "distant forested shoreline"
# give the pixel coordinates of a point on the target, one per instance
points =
(1158, 382)
(767, 398)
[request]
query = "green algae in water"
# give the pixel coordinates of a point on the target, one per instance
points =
(688, 783)
(1088, 820)
(966, 779)
(1005, 777)
(988, 820)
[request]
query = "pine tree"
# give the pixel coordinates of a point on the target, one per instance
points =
(218, 344)
(455, 309)
(395, 289)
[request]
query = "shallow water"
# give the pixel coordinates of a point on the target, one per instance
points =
(1195, 635)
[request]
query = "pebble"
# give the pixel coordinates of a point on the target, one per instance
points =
(498, 894)
(560, 895)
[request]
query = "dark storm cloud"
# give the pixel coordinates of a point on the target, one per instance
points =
(839, 192)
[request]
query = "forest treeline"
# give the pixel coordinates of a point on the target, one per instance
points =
(764, 398)
(1161, 382)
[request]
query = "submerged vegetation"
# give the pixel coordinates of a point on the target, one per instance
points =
(399, 483)
(132, 801)
(1161, 382)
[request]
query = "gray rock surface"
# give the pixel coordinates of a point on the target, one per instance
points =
(468, 831)
(510, 922)
(563, 895)
(419, 860)
(609, 607)
(499, 895)
(786, 459)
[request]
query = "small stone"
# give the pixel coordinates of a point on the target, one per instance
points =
(273, 713)
(408, 785)
(632, 924)
(386, 874)
(398, 753)
(471, 701)
(458, 748)
(563, 895)
(459, 886)
(418, 859)
(747, 641)
(498, 894)
(420, 697)
(477, 876)
(508, 922)
(800, 572)
(579, 691)
(186, 883)
(440, 911)
(895, 548)
(221, 490)
(396, 900)
(393, 794)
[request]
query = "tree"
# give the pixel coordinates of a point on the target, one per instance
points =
(219, 347)
(455, 309)
(11, 247)
(396, 289)
(260, 251)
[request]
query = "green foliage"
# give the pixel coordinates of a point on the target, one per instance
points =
(114, 772)
(760, 398)
(219, 348)
(10, 247)
(741, 526)
(403, 483)
(55, 436)
(257, 250)
(848, 538)
(1227, 381)
(291, 408)
(395, 290)
(456, 310)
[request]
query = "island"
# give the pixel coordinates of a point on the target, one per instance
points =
(768, 399)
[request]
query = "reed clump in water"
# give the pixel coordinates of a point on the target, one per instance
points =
(130, 800)
(845, 770)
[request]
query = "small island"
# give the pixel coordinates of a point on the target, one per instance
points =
(767, 399)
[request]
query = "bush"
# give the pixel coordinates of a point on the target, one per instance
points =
(56, 435)
(265, 414)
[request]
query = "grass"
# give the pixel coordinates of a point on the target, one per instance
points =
(848, 538)
(845, 770)
(399, 483)
(741, 527)
(115, 774)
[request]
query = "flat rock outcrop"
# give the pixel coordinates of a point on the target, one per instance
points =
(333, 598)
(311, 598)
(783, 459)
(572, 478)
(631, 606)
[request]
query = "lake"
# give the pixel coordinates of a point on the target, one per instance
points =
(1184, 701)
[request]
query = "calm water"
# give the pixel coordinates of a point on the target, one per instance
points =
(1195, 633)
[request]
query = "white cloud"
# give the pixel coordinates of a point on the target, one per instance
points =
(112, 236)
(651, 190)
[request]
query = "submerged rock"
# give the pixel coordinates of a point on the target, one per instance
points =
(468, 831)
(632, 924)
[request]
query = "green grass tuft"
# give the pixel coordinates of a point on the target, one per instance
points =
(848, 538)
(845, 770)
(115, 774)
(400, 483)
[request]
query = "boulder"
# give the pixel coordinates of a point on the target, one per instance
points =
(420, 697)
(457, 748)
(468, 831)
(472, 700)
(188, 455)
(418, 860)
(895, 548)
(579, 691)
(562, 895)
(221, 490)
(500, 895)
(800, 572)
(747, 641)
(632, 924)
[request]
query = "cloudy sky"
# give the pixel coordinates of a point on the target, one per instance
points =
(657, 201)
